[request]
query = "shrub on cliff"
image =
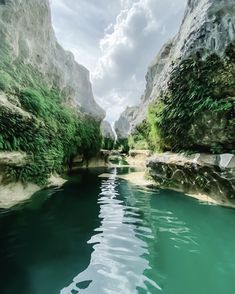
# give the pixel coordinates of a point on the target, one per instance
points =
(50, 132)
(108, 144)
(139, 139)
(122, 145)
(5, 81)
(52, 135)
(199, 92)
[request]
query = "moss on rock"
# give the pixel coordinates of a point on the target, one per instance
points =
(198, 109)
(51, 132)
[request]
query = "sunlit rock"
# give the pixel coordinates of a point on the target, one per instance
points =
(26, 30)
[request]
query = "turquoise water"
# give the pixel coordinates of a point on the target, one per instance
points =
(97, 236)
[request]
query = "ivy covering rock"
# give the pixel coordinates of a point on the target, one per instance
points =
(35, 119)
(197, 112)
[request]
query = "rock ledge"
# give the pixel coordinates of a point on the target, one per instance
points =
(212, 175)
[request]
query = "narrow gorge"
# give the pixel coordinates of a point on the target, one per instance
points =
(143, 204)
(48, 113)
(188, 107)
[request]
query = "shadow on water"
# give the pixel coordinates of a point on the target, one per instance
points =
(44, 241)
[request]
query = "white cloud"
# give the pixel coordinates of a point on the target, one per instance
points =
(141, 28)
(116, 40)
(80, 25)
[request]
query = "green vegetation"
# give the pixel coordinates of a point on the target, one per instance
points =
(122, 145)
(5, 81)
(108, 144)
(139, 139)
(196, 88)
(49, 132)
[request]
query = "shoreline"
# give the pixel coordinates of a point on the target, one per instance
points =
(139, 179)
(17, 192)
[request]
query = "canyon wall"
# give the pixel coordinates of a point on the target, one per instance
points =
(208, 28)
(26, 33)
(47, 108)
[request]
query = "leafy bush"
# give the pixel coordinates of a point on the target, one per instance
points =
(139, 139)
(122, 145)
(33, 101)
(5, 81)
(108, 144)
(195, 87)
(51, 133)
(52, 137)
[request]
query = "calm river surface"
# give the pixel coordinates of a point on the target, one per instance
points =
(98, 236)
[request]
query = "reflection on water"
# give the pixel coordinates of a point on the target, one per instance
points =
(99, 236)
(117, 264)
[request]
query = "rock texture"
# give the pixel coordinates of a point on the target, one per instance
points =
(106, 130)
(138, 157)
(212, 175)
(16, 159)
(124, 124)
(25, 27)
(30, 57)
(208, 27)
(213, 127)
(12, 193)
(100, 160)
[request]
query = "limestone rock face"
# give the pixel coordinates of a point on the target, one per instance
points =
(106, 130)
(25, 27)
(208, 27)
(213, 127)
(17, 159)
(212, 175)
(124, 124)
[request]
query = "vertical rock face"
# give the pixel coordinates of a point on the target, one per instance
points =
(47, 109)
(108, 135)
(211, 175)
(26, 30)
(124, 123)
(208, 27)
(106, 130)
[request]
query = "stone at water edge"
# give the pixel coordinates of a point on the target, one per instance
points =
(196, 174)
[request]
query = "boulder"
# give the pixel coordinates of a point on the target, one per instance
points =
(212, 175)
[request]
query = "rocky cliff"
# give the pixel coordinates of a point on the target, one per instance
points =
(108, 135)
(26, 33)
(198, 64)
(125, 121)
(205, 175)
(106, 130)
(47, 109)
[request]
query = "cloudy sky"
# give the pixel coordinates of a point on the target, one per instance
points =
(116, 40)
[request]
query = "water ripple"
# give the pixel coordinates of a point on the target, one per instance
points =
(117, 263)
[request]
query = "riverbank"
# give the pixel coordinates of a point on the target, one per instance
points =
(205, 177)
(142, 179)
(93, 227)
(136, 178)
(16, 192)
(13, 192)
(209, 178)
